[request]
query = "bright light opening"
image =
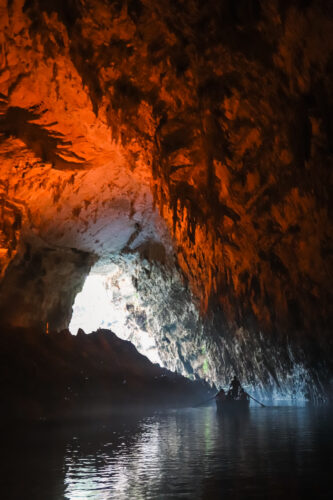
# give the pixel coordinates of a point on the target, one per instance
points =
(109, 300)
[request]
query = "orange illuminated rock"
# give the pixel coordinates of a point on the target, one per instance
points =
(204, 126)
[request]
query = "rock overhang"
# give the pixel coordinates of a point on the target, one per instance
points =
(108, 109)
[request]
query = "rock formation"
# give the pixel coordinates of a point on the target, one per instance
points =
(60, 376)
(194, 134)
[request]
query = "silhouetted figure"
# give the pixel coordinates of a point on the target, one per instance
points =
(221, 396)
(243, 395)
(235, 387)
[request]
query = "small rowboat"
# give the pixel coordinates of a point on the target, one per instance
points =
(232, 405)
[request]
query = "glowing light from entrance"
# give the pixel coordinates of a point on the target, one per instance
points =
(104, 303)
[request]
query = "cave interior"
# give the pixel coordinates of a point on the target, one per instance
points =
(166, 173)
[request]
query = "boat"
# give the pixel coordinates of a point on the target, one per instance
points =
(232, 405)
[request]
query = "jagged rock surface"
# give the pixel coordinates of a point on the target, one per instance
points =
(218, 113)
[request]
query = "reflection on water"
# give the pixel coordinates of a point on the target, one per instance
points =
(281, 452)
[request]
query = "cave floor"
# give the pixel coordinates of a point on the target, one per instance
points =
(274, 452)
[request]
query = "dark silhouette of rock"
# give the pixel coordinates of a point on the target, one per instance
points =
(197, 134)
(60, 376)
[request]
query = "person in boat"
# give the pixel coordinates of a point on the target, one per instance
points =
(229, 395)
(220, 396)
(243, 396)
(235, 387)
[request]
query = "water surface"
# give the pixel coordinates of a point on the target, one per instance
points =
(272, 453)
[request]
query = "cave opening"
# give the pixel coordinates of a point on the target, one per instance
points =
(147, 303)
(109, 300)
(165, 175)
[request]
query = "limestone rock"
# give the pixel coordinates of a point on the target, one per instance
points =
(197, 134)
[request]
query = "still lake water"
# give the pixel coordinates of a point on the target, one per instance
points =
(273, 453)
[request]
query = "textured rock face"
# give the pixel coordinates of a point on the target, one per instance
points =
(149, 305)
(35, 291)
(217, 113)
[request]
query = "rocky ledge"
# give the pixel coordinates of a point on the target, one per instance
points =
(58, 376)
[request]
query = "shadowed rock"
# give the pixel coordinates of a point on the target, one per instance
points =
(60, 376)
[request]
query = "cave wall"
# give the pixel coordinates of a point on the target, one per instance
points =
(245, 163)
(216, 114)
(22, 291)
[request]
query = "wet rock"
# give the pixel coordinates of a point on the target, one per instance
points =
(195, 134)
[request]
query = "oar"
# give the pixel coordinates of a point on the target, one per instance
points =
(254, 399)
(203, 402)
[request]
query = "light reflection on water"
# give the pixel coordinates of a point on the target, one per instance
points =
(282, 452)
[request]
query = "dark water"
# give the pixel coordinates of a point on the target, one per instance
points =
(278, 452)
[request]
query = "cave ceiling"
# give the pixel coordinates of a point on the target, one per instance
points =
(199, 132)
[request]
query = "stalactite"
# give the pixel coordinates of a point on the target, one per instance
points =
(218, 118)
